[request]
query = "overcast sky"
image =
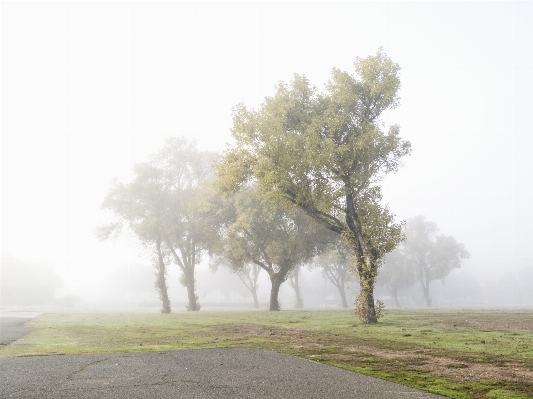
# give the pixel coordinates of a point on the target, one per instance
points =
(90, 88)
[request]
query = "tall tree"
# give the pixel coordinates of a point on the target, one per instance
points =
(268, 236)
(141, 205)
(168, 205)
(432, 256)
(325, 154)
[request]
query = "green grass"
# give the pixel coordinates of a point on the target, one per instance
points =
(403, 347)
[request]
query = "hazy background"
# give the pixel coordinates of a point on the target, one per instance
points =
(90, 88)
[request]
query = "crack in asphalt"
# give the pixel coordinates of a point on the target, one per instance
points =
(71, 375)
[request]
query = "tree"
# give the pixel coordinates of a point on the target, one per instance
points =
(396, 273)
(141, 205)
(432, 256)
(325, 154)
(268, 236)
(248, 273)
(335, 265)
(168, 206)
(294, 277)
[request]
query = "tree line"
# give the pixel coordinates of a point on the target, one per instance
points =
(300, 183)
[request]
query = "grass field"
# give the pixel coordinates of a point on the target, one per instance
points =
(459, 354)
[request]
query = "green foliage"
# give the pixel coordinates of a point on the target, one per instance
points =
(170, 202)
(380, 309)
(431, 256)
(423, 256)
(325, 154)
(264, 234)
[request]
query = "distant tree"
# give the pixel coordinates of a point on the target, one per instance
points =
(248, 273)
(141, 205)
(432, 256)
(268, 236)
(294, 277)
(335, 265)
(396, 273)
(325, 154)
(167, 206)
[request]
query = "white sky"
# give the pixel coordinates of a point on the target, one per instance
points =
(90, 88)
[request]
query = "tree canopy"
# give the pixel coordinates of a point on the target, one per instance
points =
(275, 239)
(426, 255)
(396, 273)
(167, 206)
(325, 153)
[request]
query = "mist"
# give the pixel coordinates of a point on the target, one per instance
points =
(91, 89)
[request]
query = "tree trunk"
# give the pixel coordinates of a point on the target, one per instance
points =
(256, 302)
(299, 303)
(394, 292)
(343, 294)
(248, 276)
(193, 304)
(364, 304)
(364, 308)
(426, 293)
(274, 291)
(161, 283)
(367, 303)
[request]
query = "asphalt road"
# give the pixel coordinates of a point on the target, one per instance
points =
(199, 374)
(12, 328)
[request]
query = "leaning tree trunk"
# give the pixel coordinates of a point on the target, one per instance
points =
(161, 283)
(364, 304)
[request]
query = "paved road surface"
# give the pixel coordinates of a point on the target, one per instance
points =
(12, 325)
(199, 374)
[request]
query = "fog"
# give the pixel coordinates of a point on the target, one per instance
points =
(91, 88)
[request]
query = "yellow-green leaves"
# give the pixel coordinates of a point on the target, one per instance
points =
(325, 153)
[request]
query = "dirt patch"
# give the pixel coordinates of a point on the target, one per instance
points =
(253, 330)
(420, 358)
(451, 369)
(494, 321)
